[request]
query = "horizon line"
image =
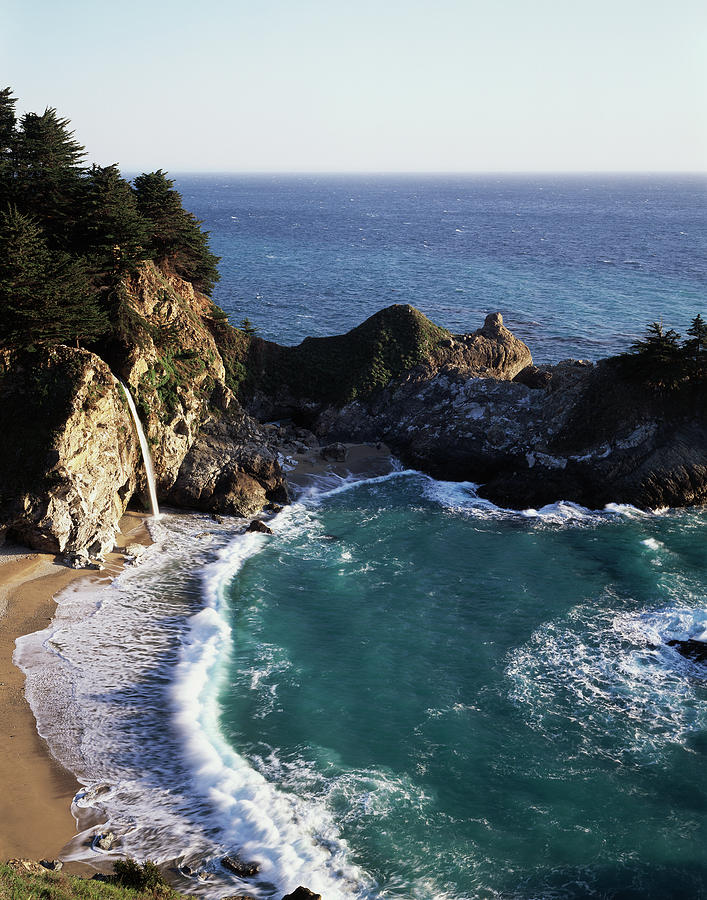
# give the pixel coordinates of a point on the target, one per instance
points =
(426, 172)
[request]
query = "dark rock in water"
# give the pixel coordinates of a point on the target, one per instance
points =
(217, 518)
(691, 649)
(274, 507)
(334, 452)
(105, 841)
(302, 893)
(258, 525)
(240, 868)
(239, 897)
(53, 864)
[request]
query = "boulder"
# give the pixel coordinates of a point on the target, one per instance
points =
(239, 867)
(230, 469)
(69, 454)
(54, 865)
(105, 841)
(258, 525)
(302, 893)
(336, 452)
(691, 649)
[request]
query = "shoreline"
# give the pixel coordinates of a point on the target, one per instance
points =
(36, 821)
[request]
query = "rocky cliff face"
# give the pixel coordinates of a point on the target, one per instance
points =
(70, 454)
(580, 432)
(397, 342)
(70, 459)
(470, 407)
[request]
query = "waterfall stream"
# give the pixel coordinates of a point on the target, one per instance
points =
(144, 447)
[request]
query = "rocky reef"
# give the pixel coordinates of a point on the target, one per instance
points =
(460, 407)
(574, 431)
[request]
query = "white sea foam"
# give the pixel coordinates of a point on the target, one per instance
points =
(598, 671)
(124, 684)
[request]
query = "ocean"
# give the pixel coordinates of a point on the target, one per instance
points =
(407, 692)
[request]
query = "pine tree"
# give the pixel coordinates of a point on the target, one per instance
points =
(696, 348)
(111, 230)
(45, 296)
(7, 141)
(177, 237)
(657, 359)
(47, 164)
(697, 345)
(658, 346)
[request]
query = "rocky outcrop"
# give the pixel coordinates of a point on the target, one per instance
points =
(69, 453)
(468, 407)
(581, 433)
(171, 363)
(230, 468)
(70, 459)
(396, 342)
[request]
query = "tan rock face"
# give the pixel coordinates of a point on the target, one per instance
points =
(174, 368)
(490, 352)
(90, 457)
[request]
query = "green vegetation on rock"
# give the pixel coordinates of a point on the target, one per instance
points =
(334, 369)
(661, 360)
(132, 881)
(70, 235)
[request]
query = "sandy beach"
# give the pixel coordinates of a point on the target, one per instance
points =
(35, 802)
(35, 805)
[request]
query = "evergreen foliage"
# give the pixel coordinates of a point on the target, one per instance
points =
(661, 360)
(47, 173)
(696, 345)
(176, 235)
(111, 229)
(45, 296)
(7, 137)
(69, 234)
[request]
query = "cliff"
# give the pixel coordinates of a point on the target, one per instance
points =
(70, 457)
(322, 372)
(469, 407)
(574, 431)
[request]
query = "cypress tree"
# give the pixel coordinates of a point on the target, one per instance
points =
(176, 235)
(111, 230)
(7, 141)
(45, 296)
(47, 162)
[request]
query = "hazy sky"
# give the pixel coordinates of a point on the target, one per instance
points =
(355, 85)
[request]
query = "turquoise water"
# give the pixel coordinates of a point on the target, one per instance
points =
(406, 692)
(482, 701)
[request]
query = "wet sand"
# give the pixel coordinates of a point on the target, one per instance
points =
(35, 803)
(36, 795)
(361, 459)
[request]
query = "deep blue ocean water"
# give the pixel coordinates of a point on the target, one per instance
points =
(407, 692)
(578, 265)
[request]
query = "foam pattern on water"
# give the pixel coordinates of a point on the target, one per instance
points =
(606, 683)
(124, 685)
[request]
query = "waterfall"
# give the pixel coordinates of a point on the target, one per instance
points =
(147, 458)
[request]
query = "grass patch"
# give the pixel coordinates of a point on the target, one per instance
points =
(141, 882)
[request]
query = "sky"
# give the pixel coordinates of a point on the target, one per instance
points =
(364, 86)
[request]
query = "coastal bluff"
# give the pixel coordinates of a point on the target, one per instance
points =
(469, 407)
